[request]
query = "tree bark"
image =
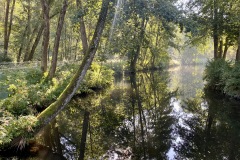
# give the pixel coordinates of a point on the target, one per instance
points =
(137, 53)
(57, 40)
(238, 50)
(22, 44)
(225, 48)
(52, 111)
(35, 44)
(37, 39)
(45, 10)
(10, 23)
(30, 40)
(30, 33)
(82, 28)
(215, 30)
(6, 29)
(220, 50)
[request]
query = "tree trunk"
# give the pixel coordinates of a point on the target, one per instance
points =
(30, 40)
(84, 135)
(225, 48)
(22, 44)
(220, 50)
(6, 40)
(45, 10)
(52, 111)
(30, 34)
(35, 44)
(57, 40)
(215, 30)
(215, 45)
(82, 28)
(10, 23)
(238, 50)
(137, 53)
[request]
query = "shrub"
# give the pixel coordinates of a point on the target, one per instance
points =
(5, 59)
(232, 86)
(28, 88)
(98, 76)
(11, 127)
(214, 73)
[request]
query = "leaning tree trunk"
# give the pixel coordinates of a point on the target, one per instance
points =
(45, 10)
(57, 40)
(52, 111)
(35, 44)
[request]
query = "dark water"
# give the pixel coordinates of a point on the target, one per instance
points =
(152, 115)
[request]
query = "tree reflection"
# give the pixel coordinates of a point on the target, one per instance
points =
(139, 112)
(212, 131)
(135, 115)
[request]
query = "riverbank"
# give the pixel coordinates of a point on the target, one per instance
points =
(29, 93)
(223, 76)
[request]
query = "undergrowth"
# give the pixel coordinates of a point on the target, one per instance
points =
(29, 90)
(223, 76)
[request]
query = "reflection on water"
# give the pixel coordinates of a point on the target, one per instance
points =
(152, 115)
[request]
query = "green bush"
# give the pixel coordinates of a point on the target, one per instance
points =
(5, 59)
(28, 88)
(98, 76)
(214, 73)
(11, 127)
(232, 86)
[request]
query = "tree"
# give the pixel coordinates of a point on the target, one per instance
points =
(49, 113)
(45, 10)
(215, 18)
(8, 25)
(238, 50)
(57, 40)
(82, 27)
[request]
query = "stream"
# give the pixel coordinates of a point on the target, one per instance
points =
(150, 115)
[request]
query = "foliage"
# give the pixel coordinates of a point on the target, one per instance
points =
(28, 89)
(221, 75)
(94, 77)
(214, 73)
(12, 127)
(232, 86)
(4, 59)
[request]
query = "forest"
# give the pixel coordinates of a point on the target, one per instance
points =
(133, 77)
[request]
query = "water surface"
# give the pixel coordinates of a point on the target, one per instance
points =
(151, 115)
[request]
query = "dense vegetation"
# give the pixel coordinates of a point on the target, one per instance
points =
(29, 93)
(223, 76)
(138, 35)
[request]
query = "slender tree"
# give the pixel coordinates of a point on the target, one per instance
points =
(82, 28)
(57, 39)
(45, 10)
(238, 50)
(36, 41)
(8, 25)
